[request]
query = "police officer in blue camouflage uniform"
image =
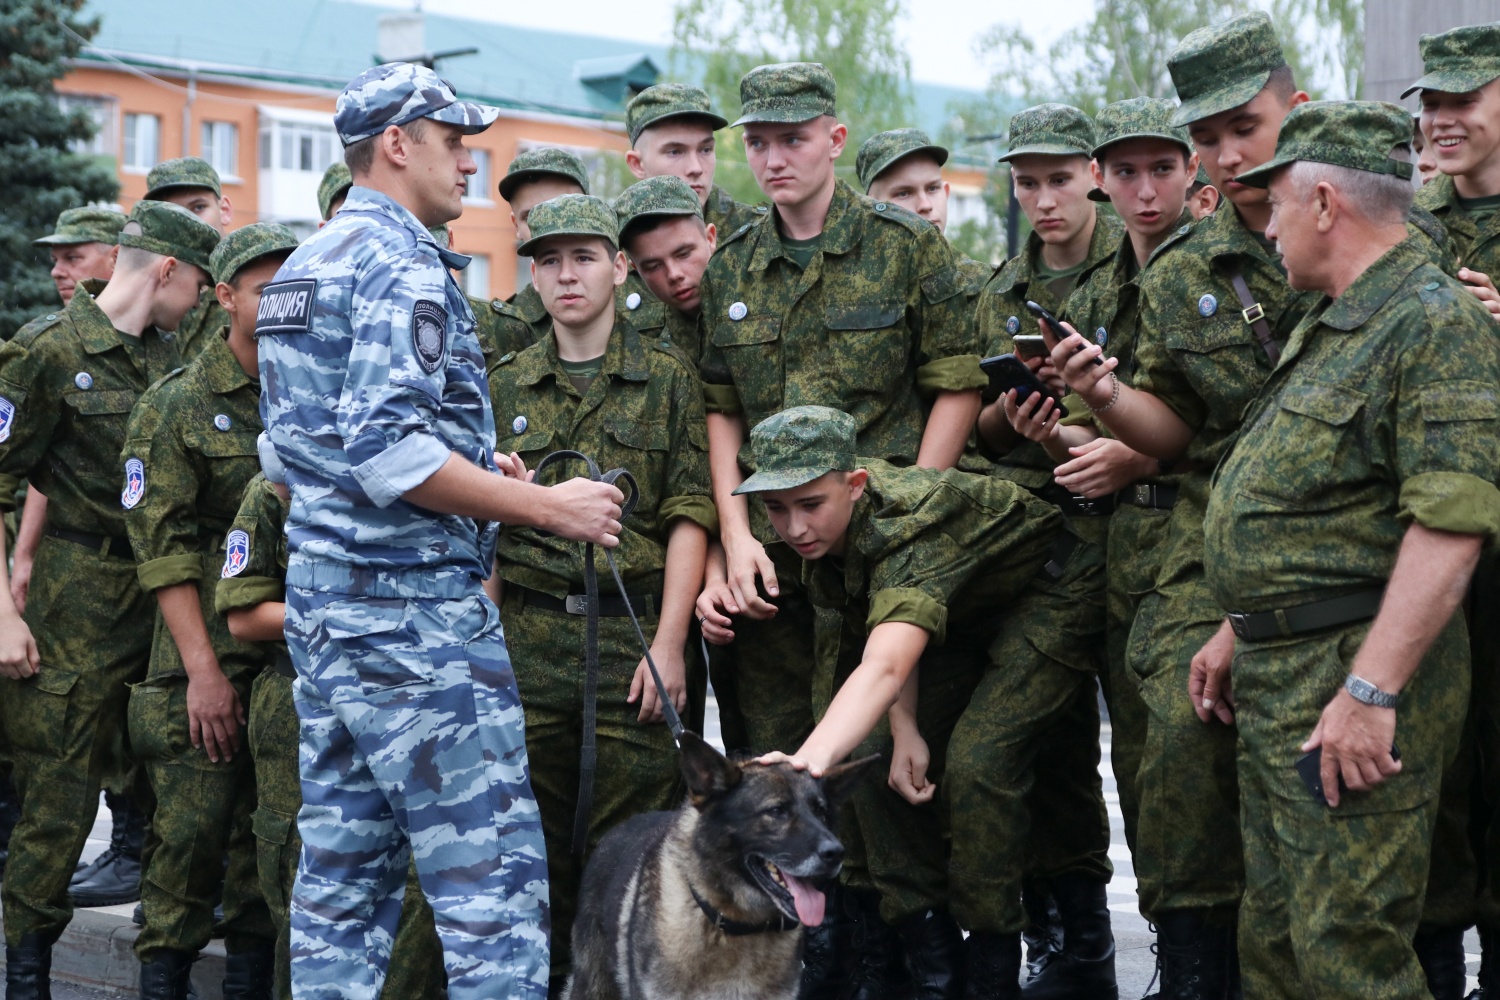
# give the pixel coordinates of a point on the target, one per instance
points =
(374, 397)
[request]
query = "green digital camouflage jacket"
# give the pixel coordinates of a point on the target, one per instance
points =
(727, 215)
(665, 323)
(877, 321)
(260, 575)
(68, 381)
(202, 321)
(1474, 246)
(505, 326)
(643, 413)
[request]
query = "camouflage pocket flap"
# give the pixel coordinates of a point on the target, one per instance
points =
(941, 286)
(533, 441)
(271, 827)
(55, 680)
(1459, 399)
(640, 437)
(750, 330)
(357, 618)
(219, 445)
(97, 402)
(863, 315)
(1332, 404)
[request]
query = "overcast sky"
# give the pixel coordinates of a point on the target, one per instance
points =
(941, 47)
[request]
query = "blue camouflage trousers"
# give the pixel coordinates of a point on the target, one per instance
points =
(413, 746)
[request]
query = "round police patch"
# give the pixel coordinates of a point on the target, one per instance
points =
(236, 553)
(222, 421)
(135, 483)
(1013, 325)
(1101, 336)
(83, 380)
(429, 322)
(518, 425)
(1207, 306)
(633, 300)
(738, 311)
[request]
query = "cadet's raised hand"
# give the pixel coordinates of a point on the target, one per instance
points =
(1034, 418)
(586, 511)
(746, 561)
(1483, 289)
(1073, 357)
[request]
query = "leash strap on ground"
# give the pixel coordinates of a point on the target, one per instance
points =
(588, 756)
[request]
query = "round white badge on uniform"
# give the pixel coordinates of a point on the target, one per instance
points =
(222, 421)
(83, 380)
(1013, 325)
(633, 300)
(1207, 306)
(1101, 335)
(518, 425)
(738, 311)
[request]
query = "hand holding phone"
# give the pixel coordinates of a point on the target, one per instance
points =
(1042, 312)
(1029, 346)
(1310, 768)
(1007, 372)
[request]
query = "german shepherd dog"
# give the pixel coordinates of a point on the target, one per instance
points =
(708, 902)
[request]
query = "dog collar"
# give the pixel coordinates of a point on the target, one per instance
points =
(738, 928)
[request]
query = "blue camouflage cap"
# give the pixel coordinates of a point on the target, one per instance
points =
(398, 93)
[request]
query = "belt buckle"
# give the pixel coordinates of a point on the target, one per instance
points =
(576, 604)
(1254, 314)
(1239, 624)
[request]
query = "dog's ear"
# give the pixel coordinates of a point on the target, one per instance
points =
(707, 772)
(839, 781)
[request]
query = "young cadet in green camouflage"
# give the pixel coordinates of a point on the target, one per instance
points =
(595, 386)
(189, 453)
(67, 383)
(1362, 488)
(250, 594)
(671, 128)
(332, 190)
(1201, 360)
(908, 567)
(669, 243)
(193, 184)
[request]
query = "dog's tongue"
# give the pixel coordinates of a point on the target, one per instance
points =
(809, 901)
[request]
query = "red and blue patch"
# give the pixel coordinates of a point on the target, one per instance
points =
(236, 553)
(135, 483)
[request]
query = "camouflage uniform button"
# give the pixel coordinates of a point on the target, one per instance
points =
(518, 425)
(83, 380)
(880, 206)
(738, 311)
(1185, 230)
(633, 300)
(52, 316)
(221, 421)
(1431, 286)
(1207, 306)
(762, 209)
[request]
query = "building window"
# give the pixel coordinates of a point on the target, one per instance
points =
(221, 147)
(478, 189)
(101, 110)
(475, 278)
(142, 142)
(298, 146)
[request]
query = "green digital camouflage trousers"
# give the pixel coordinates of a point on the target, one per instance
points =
(637, 762)
(92, 625)
(1333, 896)
(1484, 718)
(416, 966)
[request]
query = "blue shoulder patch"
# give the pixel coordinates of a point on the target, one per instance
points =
(236, 553)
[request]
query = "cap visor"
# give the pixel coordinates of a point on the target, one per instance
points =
(57, 240)
(938, 153)
(1163, 136)
(787, 116)
(717, 121)
(783, 479)
(1452, 81)
(1097, 194)
(175, 185)
(1220, 100)
(527, 249)
(470, 118)
(1261, 176)
(1043, 149)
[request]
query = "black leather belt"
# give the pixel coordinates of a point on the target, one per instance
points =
(1149, 495)
(1259, 626)
(282, 664)
(1057, 559)
(118, 548)
(578, 604)
(1076, 504)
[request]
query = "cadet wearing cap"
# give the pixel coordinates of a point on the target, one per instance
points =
(250, 593)
(671, 128)
(834, 299)
(596, 386)
(333, 189)
(82, 246)
(391, 531)
(663, 232)
(193, 184)
(67, 383)
(1394, 371)
(919, 581)
(190, 443)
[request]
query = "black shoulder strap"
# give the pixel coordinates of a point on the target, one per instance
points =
(1256, 317)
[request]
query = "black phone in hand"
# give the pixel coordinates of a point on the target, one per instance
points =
(1310, 768)
(1007, 372)
(1042, 312)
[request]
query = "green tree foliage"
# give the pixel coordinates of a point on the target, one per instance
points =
(38, 173)
(715, 42)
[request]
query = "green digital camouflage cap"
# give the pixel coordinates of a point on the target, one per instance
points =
(1051, 130)
(570, 215)
(1137, 118)
(786, 92)
(172, 231)
(1202, 180)
(661, 195)
(668, 100)
(797, 446)
(183, 172)
(540, 162)
(1460, 60)
(1223, 65)
(335, 184)
(249, 243)
(882, 150)
(1358, 134)
(85, 225)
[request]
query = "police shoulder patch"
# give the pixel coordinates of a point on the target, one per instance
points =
(7, 418)
(286, 307)
(135, 483)
(236, 553)
(429, 325)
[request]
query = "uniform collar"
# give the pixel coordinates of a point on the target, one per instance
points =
(1372, 289)
(1228, 235)
(94, 327)
(221, 369)
(841, 229)
(528, 302)
(363, 199)
(625, 357)
(1108, 235)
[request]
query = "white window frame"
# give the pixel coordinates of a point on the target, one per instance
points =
(481, 183)
(131, 164)
(476, 277)
(105, 111)
(212, 137)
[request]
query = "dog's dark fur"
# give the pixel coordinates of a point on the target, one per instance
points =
(640, 935)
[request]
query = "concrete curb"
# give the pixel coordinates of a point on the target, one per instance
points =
(95, 951)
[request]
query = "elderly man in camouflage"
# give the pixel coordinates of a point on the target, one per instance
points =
(374, 396)
(1340, 535)
(67, 383)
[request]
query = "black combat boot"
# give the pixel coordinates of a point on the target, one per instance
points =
(115, 876)
(879, 973)
(935, 953)
(828, 950)
(1043, 935)
(166, 975)
(10, 813)
(28, 969)
(247, 974)
(1441, 952)
(1086, 967)
(1193, 956)
(994, 967)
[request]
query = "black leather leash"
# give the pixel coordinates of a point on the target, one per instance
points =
(588, 757)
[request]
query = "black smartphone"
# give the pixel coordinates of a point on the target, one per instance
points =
(1030, 345)
(1042, 312)
(1310, 769)
(1007, 372)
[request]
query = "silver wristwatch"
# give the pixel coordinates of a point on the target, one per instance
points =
(1362, 690)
